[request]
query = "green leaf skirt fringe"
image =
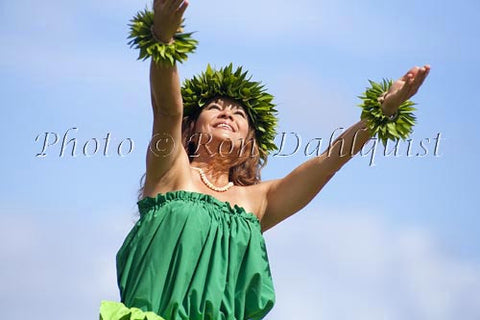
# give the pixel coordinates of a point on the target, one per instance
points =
(110, 310)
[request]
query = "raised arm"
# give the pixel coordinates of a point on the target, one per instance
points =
(290, 194)
(165, 149)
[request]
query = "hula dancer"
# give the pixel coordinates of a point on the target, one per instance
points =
(197, 251)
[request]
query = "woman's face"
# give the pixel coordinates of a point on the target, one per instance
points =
(223, 119)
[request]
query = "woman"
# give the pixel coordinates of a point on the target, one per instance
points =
(197, 251)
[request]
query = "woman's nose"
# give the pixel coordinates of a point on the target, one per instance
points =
(226, 113)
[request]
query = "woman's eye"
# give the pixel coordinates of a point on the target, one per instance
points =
(240, 113)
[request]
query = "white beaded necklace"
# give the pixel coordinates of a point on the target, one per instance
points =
(211, 185)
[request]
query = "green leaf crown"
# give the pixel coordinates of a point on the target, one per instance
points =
(196, 92)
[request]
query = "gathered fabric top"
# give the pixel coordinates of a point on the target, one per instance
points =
(192, 256)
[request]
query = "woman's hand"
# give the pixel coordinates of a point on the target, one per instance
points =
(167, 18)
(403, 89)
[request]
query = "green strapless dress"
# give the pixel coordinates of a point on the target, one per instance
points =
(192, 257)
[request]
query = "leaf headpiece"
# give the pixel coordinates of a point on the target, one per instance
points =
(226, 82)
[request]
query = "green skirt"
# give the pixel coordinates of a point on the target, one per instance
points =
(192, 256)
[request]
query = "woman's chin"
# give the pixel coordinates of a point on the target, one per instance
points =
(224, 141)
(223, 135)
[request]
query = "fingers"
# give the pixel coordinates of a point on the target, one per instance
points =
(182, 8)
(173, 8)
(410, 74)
(417, 79)
(157, 2)
(405, 87)
(425, 74)
(173, 5)
(422, 74)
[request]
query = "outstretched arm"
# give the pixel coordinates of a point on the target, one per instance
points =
(164, 79)
(165, 149)
(290, 194)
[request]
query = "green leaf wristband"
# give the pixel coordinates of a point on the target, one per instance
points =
(398, 126)
(142, 38)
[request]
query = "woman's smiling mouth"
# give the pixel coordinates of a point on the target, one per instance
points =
(224, 125)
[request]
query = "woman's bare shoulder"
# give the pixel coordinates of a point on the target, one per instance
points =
(256, 196)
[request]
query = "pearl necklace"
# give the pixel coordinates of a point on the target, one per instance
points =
(211, 185)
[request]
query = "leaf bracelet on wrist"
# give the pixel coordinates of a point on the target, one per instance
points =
(143, 37)
(393, 127)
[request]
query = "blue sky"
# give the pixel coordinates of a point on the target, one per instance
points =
(395, 239)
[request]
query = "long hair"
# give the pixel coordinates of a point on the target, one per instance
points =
(247, 167)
